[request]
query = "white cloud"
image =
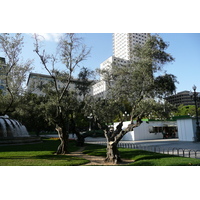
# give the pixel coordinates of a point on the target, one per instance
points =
(50, 36)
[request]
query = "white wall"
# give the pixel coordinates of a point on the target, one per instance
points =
(130, 136)
(142, 132)
(186, 129)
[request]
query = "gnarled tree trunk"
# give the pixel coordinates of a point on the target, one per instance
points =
(63, 136)
(113, 138)
(113, 154)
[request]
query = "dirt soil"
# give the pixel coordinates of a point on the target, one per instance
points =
(97, 160)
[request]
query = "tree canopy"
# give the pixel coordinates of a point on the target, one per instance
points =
(60, 101)
(138, 82)
(13, 72)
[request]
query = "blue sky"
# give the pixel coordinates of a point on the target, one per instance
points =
(184, 47)
(100, 19)
(100, 44)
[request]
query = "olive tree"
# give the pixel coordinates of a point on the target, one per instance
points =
(13, 71)
(71, 53)
(139, 84)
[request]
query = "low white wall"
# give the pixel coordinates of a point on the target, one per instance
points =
(130, 136)
(142, 132)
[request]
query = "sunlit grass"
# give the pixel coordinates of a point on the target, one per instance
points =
(144, 158)
(41, 154)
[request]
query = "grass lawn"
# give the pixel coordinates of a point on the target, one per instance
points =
(144, 158)
(41, 154)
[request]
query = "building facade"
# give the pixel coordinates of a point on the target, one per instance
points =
(183, 97)
(99, 90)
(151, 130)
(124, 43)
(112, 60)
(36, 81)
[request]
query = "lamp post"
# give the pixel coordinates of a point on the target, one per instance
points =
(196, 96)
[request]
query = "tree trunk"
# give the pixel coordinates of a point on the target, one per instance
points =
(113, 154)
(80, 139)
(113, 138)
(63, 136)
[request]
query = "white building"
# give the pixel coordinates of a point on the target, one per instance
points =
(186, 128)
(112, 60)
(123, 45)
(150, 130)
(36, 81)
(100, 89)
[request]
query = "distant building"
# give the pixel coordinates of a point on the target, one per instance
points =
(36, 81)
(181, 98)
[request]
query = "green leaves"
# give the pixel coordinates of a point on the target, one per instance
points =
(14, 71)
(165, 85)
(138, 82)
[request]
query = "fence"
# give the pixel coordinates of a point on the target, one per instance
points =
(190, 153)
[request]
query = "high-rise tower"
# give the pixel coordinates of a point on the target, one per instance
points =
(124, 43)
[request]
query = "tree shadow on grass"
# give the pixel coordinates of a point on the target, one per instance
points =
(50, 157)
(146, 158)
(46, 145)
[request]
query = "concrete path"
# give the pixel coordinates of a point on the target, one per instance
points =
(97, 160)
(175, 143)
(166, 146)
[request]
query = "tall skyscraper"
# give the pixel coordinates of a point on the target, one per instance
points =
(124, 43)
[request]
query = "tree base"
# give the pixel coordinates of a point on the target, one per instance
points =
(113, 161)
(62, 148)
(113, 155)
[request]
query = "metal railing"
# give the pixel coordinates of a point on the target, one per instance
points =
(190, 153)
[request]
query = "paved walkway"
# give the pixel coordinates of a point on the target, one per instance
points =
(166, 146)
(173, 143)
(96, 160)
